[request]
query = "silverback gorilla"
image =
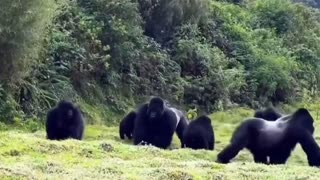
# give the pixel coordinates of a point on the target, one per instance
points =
(127, 125)
(269, 114)
(64, 121)
(199, 134)
(274, 139)
(155, 124)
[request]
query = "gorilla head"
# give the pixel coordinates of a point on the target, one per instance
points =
(155, 108)
(66, 109)
(67, 112)
(302, 118)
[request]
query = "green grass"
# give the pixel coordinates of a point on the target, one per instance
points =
(102, 155)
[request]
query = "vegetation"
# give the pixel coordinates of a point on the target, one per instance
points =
(311, 3)
(114, 54)
(26, 154)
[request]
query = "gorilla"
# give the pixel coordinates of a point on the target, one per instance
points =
(127, 125)
(156, 123)
(269, 114)
(274, 139)
(64, 121)
(199, 134)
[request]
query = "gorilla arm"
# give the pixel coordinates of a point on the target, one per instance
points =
(211, 142)
(309, 146)
(182, 125)
(50, 125)
(167, 127)
(77, 125)
(141, 132)
(240, 139)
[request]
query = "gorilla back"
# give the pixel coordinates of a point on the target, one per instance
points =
(269, 113)
(199, 134)
(64, 121)
(274, 139)
(155, 124)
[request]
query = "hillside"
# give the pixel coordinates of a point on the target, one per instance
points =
(114, 54)
(102, 155)
(222, 57)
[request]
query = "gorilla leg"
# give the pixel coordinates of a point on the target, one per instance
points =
(280, 157)
(283, 151)
(259, 157)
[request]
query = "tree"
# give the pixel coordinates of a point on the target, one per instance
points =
(22, 26)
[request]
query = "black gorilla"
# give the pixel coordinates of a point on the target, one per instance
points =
(127, 125)
(156, 123)
(274, 139)
(199, 134)
(269, 114)
(64, 121)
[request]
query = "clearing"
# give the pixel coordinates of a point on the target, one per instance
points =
(102, 155)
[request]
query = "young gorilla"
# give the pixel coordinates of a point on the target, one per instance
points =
(156, 123)
(127, 125)
(274, 139)
(269, 114)
(64, 121)
(199, 134)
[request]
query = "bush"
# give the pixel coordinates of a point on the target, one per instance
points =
(163, 17)
(208, 79)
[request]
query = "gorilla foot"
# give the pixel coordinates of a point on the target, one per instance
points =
(221, 161)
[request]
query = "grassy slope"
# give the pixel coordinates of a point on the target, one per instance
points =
(102, 155)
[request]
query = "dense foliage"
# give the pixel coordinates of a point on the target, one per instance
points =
(116, 53)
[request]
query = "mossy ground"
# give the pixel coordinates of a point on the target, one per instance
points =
(102, 155)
